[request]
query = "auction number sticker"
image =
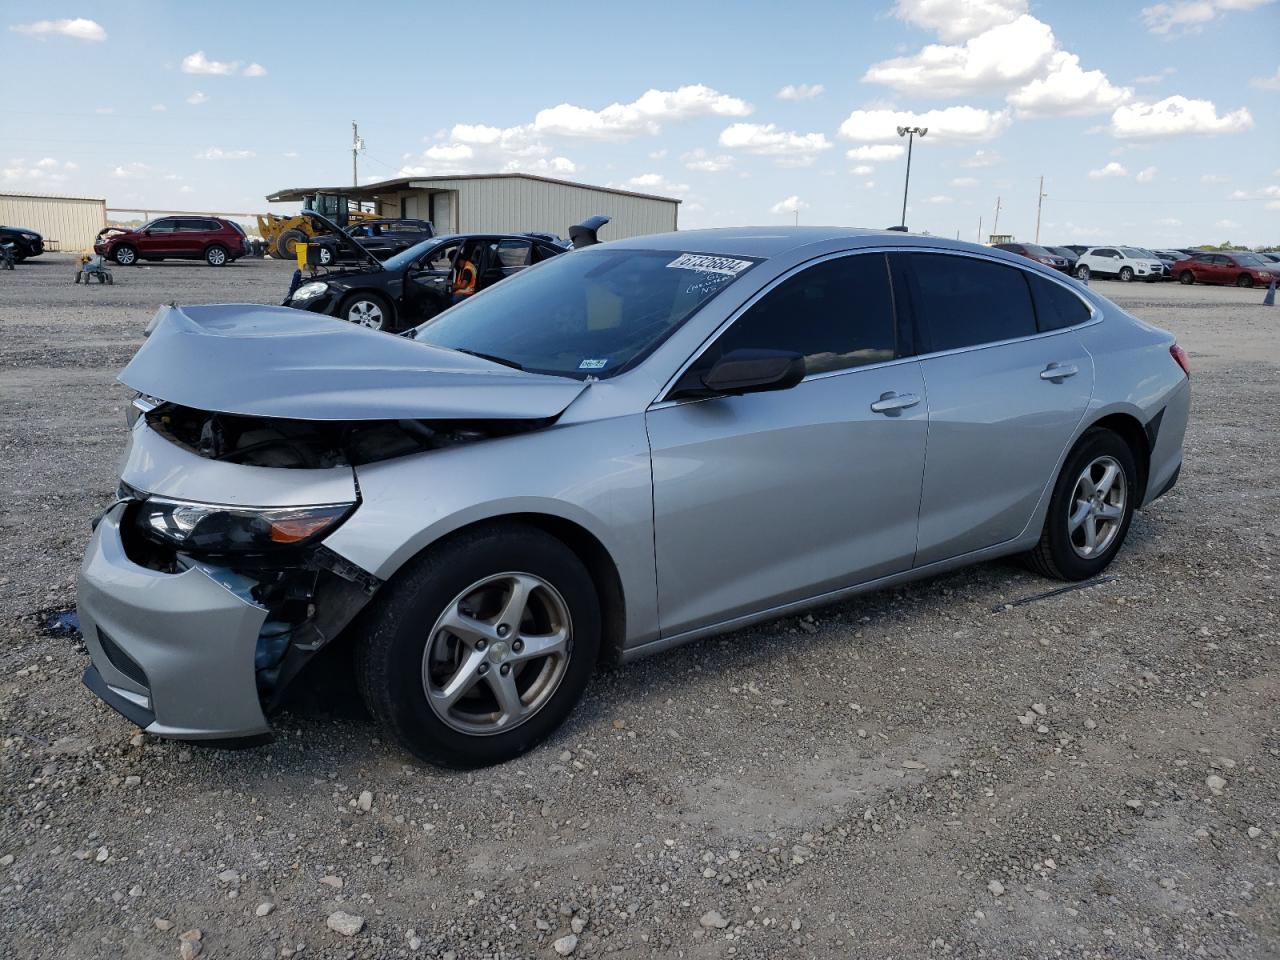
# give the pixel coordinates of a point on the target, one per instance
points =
(593, 364)
(726, 266)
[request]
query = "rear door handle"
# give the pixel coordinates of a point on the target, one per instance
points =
(1059, 371)
(891, 402)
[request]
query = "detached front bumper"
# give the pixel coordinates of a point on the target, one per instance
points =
(174, 653)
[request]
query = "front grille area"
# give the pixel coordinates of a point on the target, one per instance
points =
(121, 660)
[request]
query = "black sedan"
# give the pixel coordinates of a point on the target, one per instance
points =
(26, 243)
(382, 238)
(413, 286)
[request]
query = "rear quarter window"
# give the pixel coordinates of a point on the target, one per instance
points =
(1056, 306)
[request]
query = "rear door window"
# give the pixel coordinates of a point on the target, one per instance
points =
(965, 302)
(1056, 306)
(513, 254)
(837, 314)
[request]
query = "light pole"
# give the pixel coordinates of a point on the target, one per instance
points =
(910, 134)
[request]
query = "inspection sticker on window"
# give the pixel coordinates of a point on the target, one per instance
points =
(592, 364)
(707, 264)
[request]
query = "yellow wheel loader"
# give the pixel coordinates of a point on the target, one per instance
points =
(281, 234)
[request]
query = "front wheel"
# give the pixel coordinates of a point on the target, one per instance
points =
(125, 255)
(479, 648)
(1126, 274)
(1186, 278)
(1092, 506)
(366, 310)
(1082, 272)
(216, 256)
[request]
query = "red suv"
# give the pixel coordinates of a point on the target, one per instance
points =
(1243, 269)
(212, 239)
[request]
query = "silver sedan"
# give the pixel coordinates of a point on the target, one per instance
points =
(615, 452)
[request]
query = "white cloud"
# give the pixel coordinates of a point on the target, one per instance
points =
(132, 171)
(254, 70)
(1004, 56)
(982, 158)
(1169, 222)
(658, 154)
(939, 198)
(1214, 178)
(217, 153)
(877, 152)
(559, 166)
(954, 20)
(479, 148)
(800, 91)
(158, 108)
(1267, 83)
(1146, 175)
(79, 29)
(964, 182)
(862, 170)
(449, 152)
(1156, 77)
(1174, 116)
(1112, 169)
(1066, 90)
(186, 188)
(46, 171)
(197, 98)
(645, 115)
(198, 63)
(791, 204)
(1191, 15)
(869, 184)
(1226, 224)
(949, 123)
(767, 140)
(656, 183)
(291, 154)
(703, 162)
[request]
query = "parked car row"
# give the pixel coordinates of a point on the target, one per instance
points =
(1125, 263)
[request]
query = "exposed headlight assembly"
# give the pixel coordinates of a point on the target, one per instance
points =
(309, 291)
(218, 528)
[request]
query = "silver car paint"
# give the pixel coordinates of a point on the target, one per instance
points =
(594, 467)
(281, 362)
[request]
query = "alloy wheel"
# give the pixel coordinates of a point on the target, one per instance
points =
(1097, 507)
(216, 256)
(497, 654)
(366, 313)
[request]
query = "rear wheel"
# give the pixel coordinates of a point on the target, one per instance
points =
(1187, 278)
(1244, 280)
(216, 256)
(513, 631)
(1092, 507)
(125, 255)
(366, 310)
(1126, 274)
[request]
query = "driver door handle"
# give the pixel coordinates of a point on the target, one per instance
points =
(891, 402)
(1058, 372)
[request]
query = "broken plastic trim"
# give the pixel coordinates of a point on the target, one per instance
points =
(312, 444)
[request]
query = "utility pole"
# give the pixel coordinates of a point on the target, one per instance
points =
(910, 134)
(1039, 201)
(356, 146)
(979, 229)
(995, 224)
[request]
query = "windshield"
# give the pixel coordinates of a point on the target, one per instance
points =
(1035, 251)
(1134, 253)
(588, 313)
(405, 257)
(1248, 259)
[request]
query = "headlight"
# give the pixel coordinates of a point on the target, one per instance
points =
(215, 528)
(32, 236)
(309, 290)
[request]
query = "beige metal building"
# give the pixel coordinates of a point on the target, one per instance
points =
(502, 202)
(66, 223)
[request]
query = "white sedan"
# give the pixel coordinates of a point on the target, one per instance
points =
(1122, 263)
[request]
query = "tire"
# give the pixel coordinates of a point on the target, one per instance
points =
(397, 653)
(1186, 278)
(366, 310)
(1126, 274)
(1244, 280)
(286, 241)
(1063, 552)
(125, 255)
(216, 256)
(1082, 272)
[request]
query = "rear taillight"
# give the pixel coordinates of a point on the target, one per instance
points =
(1180, 356)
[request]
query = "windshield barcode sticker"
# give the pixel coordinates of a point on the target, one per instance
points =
(700, 261)
(592, 364)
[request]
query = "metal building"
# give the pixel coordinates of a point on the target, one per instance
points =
(66, 223)
(501, 202)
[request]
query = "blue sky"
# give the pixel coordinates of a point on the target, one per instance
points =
(1156, 123)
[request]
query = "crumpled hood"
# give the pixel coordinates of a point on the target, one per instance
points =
(264, 361)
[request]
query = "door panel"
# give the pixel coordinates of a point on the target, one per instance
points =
(996, 432)
(768, 498)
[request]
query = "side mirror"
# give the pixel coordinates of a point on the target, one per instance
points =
(754, 371)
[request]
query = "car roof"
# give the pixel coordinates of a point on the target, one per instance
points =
(765, 242)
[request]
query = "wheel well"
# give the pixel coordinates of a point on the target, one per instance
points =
(599, 564)
(1131, 431)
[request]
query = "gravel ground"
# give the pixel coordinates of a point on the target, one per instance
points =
(921, 772)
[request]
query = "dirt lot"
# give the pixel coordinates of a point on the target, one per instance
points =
(918, 773)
